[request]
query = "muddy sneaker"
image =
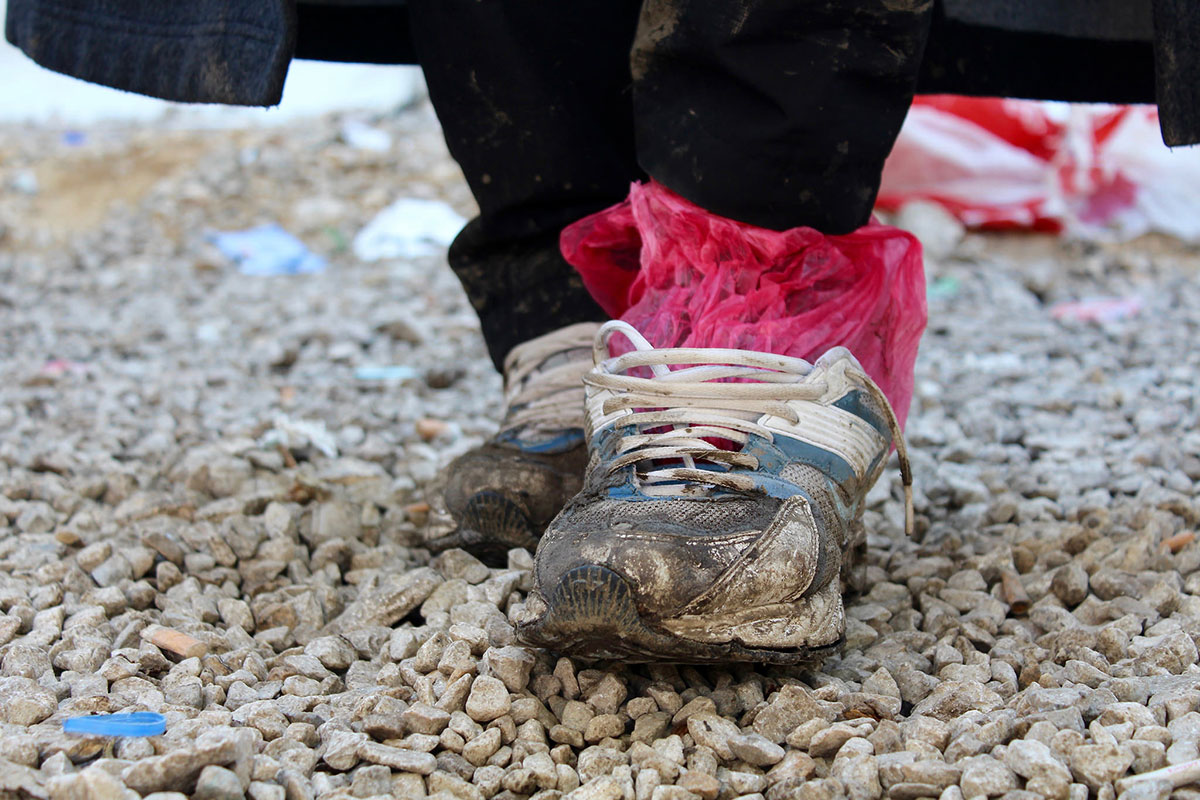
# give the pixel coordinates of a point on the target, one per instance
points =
(503, 493)
(719, 501)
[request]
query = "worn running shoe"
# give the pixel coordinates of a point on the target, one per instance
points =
(504, 493)
(720, 499)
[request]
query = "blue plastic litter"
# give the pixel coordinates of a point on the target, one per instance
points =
(267, 250)
(943, 287)
(397, 372)
(138, 723)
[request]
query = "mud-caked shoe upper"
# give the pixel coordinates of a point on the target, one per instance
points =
(723, 489)
(503, 493)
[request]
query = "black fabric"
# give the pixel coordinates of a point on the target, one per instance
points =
(215, 51)
(983, 61)
(360, 32)
(778, 113)
(231, 51)
(1177, 69)
(534, 101)
(1099, 20)
(539, 106)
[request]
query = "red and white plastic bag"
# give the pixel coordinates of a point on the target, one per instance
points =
(1092, 171)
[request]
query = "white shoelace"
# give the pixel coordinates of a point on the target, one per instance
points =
(543, 386)
(675, 410)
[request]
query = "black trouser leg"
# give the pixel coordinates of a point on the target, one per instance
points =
(779, 113)
(534, 99)
(774, 112)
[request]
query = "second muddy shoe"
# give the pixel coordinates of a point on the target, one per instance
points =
(504, 493)
(723, 494)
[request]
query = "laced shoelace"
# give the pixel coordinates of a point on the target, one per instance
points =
(543, 387)
(677, 412)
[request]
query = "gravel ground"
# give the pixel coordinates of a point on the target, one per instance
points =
(204, 513)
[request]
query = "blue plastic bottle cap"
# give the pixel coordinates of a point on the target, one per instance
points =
(139, 723)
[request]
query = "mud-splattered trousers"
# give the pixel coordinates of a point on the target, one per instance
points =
(774, 112)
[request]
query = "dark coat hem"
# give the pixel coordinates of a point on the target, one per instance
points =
(233, 52)
(212, 52)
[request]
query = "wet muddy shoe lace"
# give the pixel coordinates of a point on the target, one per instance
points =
(683, 428)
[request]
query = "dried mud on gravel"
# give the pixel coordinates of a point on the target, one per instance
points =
(204, 513)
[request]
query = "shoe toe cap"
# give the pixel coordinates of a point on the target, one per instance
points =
(693, 562)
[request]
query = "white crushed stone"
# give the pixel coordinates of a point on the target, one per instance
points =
(186, 448)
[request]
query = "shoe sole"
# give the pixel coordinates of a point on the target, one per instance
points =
(591, 614)
(490, 525)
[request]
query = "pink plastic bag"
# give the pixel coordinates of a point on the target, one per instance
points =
(687, 278)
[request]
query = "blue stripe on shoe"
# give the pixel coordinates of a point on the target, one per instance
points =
(568, 439)
(825, 461)
(773, 457)
(853, 402)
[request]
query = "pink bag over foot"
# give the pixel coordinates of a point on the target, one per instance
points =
(687, 278)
